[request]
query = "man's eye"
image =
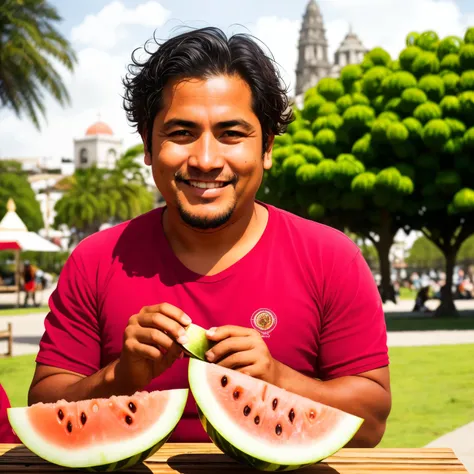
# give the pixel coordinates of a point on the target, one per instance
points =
(179, 133)
(233, 133)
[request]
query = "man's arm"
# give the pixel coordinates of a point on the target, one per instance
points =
(366, 395)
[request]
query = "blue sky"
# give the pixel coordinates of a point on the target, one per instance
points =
(105, 32)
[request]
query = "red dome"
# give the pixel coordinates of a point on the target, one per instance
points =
(99, 128)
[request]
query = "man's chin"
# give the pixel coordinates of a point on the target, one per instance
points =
(206, 220)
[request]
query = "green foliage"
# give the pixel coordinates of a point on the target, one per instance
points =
(31, 48)
(330, 88)
(14, 184)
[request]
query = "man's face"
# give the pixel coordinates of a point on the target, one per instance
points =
(207, 158)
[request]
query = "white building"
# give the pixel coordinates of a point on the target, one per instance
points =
(98, 147)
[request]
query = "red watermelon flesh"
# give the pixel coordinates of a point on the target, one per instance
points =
(268, 411)
(103, 434)
(87, 422)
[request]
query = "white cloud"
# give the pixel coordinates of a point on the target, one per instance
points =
(107, 27)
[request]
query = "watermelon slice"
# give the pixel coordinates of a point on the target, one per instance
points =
(265, 426)
(104, 434)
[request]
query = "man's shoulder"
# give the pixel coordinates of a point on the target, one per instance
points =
(314, 234)
(104, 242)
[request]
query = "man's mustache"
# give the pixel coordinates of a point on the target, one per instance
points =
(179, 176)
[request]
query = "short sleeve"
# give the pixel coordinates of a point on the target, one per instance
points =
(6, 432)
(71, 339)
(353, 335)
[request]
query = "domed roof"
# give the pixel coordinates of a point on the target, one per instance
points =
(351, 43)
(99, 128)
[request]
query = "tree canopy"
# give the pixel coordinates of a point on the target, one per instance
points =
(29, 46)
(386, 146)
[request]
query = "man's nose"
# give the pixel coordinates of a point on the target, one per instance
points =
(206, 153)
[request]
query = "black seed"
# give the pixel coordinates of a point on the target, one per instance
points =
(291, 415)
(311, 414)
(236, 394)
(278, 430)
(246, 410)
(69, 426)
(224, 381)
(128, 420)
(132, 407)
(275, 403)
(256, 420)
(83, 418)
(60, 414)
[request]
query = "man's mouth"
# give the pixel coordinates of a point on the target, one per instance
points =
(207, 184)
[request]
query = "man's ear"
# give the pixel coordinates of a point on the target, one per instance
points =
(147, 157)
(267, 156)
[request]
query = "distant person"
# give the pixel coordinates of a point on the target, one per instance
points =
(286, 299)
(421, 298)
(6, 432)
(29, 282)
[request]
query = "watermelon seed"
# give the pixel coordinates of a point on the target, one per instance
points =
(128, 420)
(83, 418)
(246, 410)
(278, 430)
(275, 403)
(224, 381)
(311, 414)
(236, 394)
(291, 415)
(132, 407)
(60, 415)
(69, 426)
(256, 420)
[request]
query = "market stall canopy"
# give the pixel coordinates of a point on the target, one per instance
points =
(14, 234)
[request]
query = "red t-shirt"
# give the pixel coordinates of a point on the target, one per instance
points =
(6, 433)
(305, 285)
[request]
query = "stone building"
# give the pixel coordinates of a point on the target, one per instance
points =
(313, 61)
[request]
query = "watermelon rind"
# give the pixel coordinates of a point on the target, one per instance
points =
(198, 343)
(247, 448)
(114, 456)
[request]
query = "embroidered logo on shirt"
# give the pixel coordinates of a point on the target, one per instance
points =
(264, 321)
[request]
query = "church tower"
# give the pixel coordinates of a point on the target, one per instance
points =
(313, 62)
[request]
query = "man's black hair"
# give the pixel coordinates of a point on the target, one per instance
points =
(203, 53)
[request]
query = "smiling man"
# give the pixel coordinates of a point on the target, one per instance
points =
(287, 300)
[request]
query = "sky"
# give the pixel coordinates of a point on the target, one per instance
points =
(104, 33)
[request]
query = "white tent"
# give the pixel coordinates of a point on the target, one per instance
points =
(15, 236)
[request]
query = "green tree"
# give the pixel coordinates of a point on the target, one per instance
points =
(424, 253)
(386, 146)
(29, 46)
(14, 184)
(96, 196)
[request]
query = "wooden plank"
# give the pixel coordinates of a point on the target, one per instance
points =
(206, 458)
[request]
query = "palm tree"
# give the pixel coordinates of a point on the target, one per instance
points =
(29, 46)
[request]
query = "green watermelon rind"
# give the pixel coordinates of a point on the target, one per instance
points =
(104, 457)
(250, 450)
(198, 343)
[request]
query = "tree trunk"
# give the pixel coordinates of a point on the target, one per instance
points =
(447, 307)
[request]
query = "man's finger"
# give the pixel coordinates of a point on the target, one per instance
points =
(168, 310)
(223, 332)
(163, 323)
(239, 360)
(229, 346)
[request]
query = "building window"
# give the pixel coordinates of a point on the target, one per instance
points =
(83, 156)
(111, 158)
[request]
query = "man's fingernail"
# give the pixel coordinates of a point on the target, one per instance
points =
(186, 319)
(211, 331)
(210, 356)
(183, 339)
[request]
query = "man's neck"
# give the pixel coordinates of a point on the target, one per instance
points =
(211, 251)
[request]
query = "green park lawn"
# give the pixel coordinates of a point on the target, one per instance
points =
(23, 311)
(432, 391)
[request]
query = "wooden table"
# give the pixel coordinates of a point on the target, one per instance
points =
(207, 459)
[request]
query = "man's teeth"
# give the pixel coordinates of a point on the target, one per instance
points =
(203, 185)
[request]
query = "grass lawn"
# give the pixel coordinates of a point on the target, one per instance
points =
(23, 311)
(407, 294)
(432, 391)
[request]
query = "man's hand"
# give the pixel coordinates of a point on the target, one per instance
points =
(242, 349)
(149, 346)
